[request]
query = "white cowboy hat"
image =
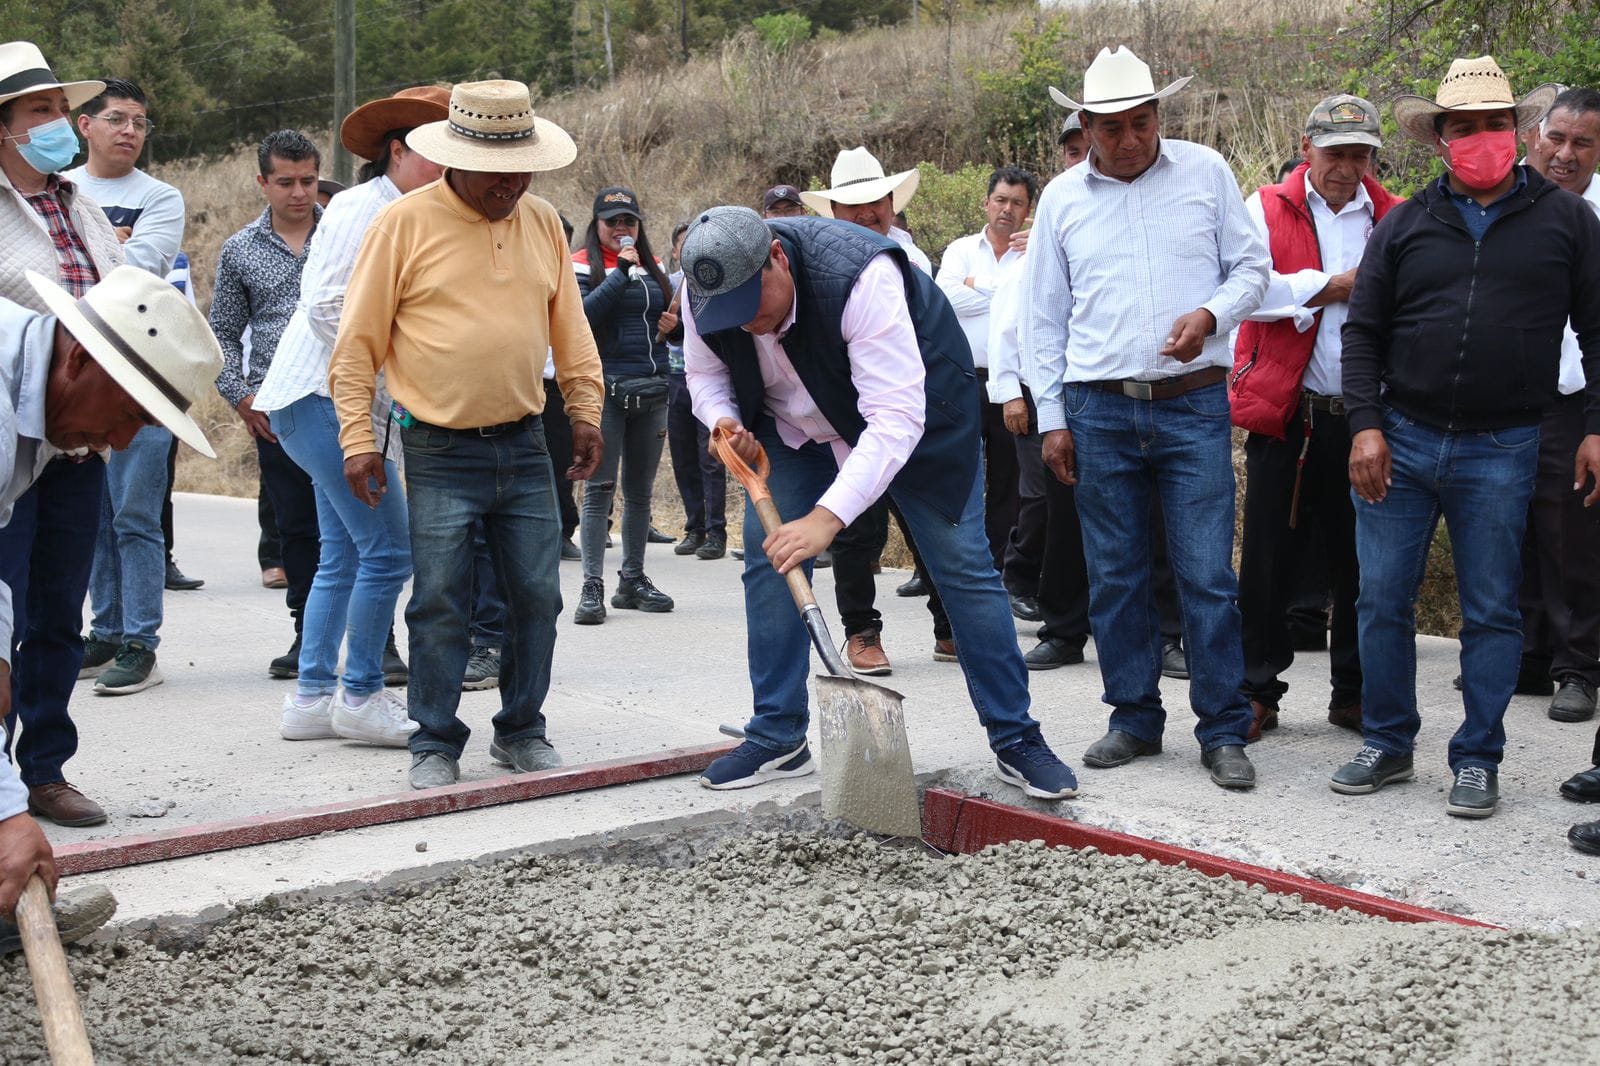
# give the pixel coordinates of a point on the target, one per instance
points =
(492, 128)
(1116, 81)
(1471, 85)
(858, 178)
(23, 71)
(153, 342)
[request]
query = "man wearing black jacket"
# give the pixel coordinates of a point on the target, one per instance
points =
(1451, 352)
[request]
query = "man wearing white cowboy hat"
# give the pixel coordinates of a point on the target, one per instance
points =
(1451, 358)
(458, 293)
(91, 372)
(863, 194)
(1129, 355)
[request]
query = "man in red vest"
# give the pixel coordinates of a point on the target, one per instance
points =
(1286, 393)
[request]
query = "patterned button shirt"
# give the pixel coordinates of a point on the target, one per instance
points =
(258, 285)
(78, 274)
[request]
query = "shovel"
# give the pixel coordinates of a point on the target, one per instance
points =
(866, 759)
(64, 1034)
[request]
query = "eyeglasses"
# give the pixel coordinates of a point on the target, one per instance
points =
(118, 121)
(622, 221)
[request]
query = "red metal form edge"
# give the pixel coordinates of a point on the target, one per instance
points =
(955, 822)
(115, 852)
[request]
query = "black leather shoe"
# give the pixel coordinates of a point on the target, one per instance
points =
(658, 537)
(1025, 608)
(1230, 767)
(569, 551)
(1051, 653)
(713, 547)
(1573, 702)
(1116, 748)
(1584, 787)
(689, 544)
(286, 667)
(177, 582)
(821, 562)
(1585, 837)
(914, 587)
(1174, 661)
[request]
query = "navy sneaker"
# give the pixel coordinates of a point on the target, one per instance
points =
(1033, 767)
(751, 764)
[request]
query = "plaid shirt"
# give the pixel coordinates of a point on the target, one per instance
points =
(77, 269)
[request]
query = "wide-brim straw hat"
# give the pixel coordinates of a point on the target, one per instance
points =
(858, 178)
(1471, 85)
(363, 129)
(491, 127)
(150, 340)
(24, 71)
(1116, 81)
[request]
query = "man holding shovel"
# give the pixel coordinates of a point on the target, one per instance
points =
(820, 343)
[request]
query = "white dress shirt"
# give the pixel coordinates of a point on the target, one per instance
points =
(1112, 264)
(1571, 379)
(919, 258)
(1342, 237)
(1003, 343)
(973, 257)
(885, 368)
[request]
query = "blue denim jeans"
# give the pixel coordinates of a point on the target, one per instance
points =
(453, 479)
(130, 553)
(1480, 483)
(1180, 450)
(633, 441)
(46, 551)
(959, 564)
(488, 606)
(364, 562)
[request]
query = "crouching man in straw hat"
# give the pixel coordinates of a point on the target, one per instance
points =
(1128, 356)
(459, 291)
(1451, 356)
(90, 373)
(821, 343)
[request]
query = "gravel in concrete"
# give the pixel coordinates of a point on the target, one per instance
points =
(800, 947)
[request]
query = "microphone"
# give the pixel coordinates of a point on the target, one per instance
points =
(634, 272)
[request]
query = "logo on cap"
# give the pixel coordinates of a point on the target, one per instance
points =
(1346, 112)
(708, 274)
(618, 198)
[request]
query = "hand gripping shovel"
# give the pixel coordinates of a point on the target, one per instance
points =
(866, 759)
(64, 1034)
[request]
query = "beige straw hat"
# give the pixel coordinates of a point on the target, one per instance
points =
(492, 128)
(1471, 85)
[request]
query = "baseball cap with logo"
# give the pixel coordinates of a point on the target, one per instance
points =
(1344, 119)
(779, 194)
(615, 200)
(723, 254)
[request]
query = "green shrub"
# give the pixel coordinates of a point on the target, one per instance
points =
(947, 206)
(782, 31)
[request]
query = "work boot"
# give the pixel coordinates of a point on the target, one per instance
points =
(1574, 701)
(1370, 770)
(1230, 767)
(690, 543)
(133, 671)
(63, 804)
(433, 769)
(591, 610)
(286, 667)
(569, 551)
(524, 756)
(715, 547)
(864, 652)
(274, 577)
(640, 594)
(1346, 716)
(1174, 661)
(1476, 793)
(78, 912)
(944, 651)
(483, 669)
(914, 586)
(1263, 716)
(395, 673)
(379, 718)
(177, 582)
(97, 656)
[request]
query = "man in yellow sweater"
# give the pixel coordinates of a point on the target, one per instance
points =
(459, 290)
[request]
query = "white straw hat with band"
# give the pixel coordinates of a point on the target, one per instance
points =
(1471, 85)
(1116, 81)
(858, 178)
(492, 128)
(24, 71)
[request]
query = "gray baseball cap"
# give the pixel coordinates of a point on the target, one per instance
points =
(723, 254)
(1344, 119)
(1074, 124)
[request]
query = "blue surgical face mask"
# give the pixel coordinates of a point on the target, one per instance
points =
(50, 148)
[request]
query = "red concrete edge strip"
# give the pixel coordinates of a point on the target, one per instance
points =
(95, 855)
(955, 822)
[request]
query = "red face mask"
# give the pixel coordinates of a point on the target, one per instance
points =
(1482, 160)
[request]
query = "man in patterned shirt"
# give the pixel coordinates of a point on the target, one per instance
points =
(258, 285)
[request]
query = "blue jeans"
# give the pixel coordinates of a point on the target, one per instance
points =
(1179, 450)
(633, 441)
(488, 607)
(46, 551)
(130, 554)
(1481, 484)
(959, 565)
(453, 479)
(364, 562)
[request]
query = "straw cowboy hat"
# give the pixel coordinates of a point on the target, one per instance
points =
(858, 178)
(23, 71)
(1116, 81)
(491, 127)
(1471, 85)
(149, 338)
(363, 129)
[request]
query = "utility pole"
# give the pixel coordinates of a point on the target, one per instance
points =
(344, 84)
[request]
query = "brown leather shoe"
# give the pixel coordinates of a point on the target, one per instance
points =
(274, 577)
(944, 651)
(1346, 717)
(64, 805)
(864, 651)
(1264, 716)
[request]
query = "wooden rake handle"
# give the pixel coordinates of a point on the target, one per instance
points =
(755, 486)
(64, 1033)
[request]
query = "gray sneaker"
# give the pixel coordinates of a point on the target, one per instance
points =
(97, 656)
(78, 913)
(1476, 793)
(483, 669)
(133, 671)
(1369, 771)
(433, 769)
(526, 755)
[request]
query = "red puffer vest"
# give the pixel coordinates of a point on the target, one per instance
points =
(1270, 358)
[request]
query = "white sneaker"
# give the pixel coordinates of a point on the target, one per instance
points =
(307, 721)
(376, 719)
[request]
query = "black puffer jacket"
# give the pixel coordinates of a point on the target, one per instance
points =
(623, 314)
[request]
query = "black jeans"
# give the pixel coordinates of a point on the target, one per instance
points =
(1045, 555)
(855, 548)
(1560, 594)
(294, 509)
(1000, 495)
(702, 480)
(558, 438)
(1272, 554)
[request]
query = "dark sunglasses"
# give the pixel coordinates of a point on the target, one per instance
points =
(620, 221)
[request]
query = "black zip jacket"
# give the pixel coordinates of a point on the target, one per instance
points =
(623, 314)
(1466, 335)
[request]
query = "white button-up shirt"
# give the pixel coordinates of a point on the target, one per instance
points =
(973, 257)
(1571, 379)
(1112, 264)
(1342, 237)
(885, 367)
(1005, 317)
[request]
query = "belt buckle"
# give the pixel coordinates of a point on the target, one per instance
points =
(1137, 390)
(491, 431)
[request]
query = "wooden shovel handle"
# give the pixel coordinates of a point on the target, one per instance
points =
(64, 1033)
(755, 486)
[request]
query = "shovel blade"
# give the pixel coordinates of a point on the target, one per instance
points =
(866, 760)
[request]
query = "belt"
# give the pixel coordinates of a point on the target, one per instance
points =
(1165, 388)
(486, 431)
(1333, 405)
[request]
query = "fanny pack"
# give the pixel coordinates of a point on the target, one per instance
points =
(638, 394)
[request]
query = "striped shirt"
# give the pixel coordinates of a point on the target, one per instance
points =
(78, 274)
(1112, 264)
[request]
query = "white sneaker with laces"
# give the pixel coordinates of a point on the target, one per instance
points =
(380, 718)
(307, 721)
